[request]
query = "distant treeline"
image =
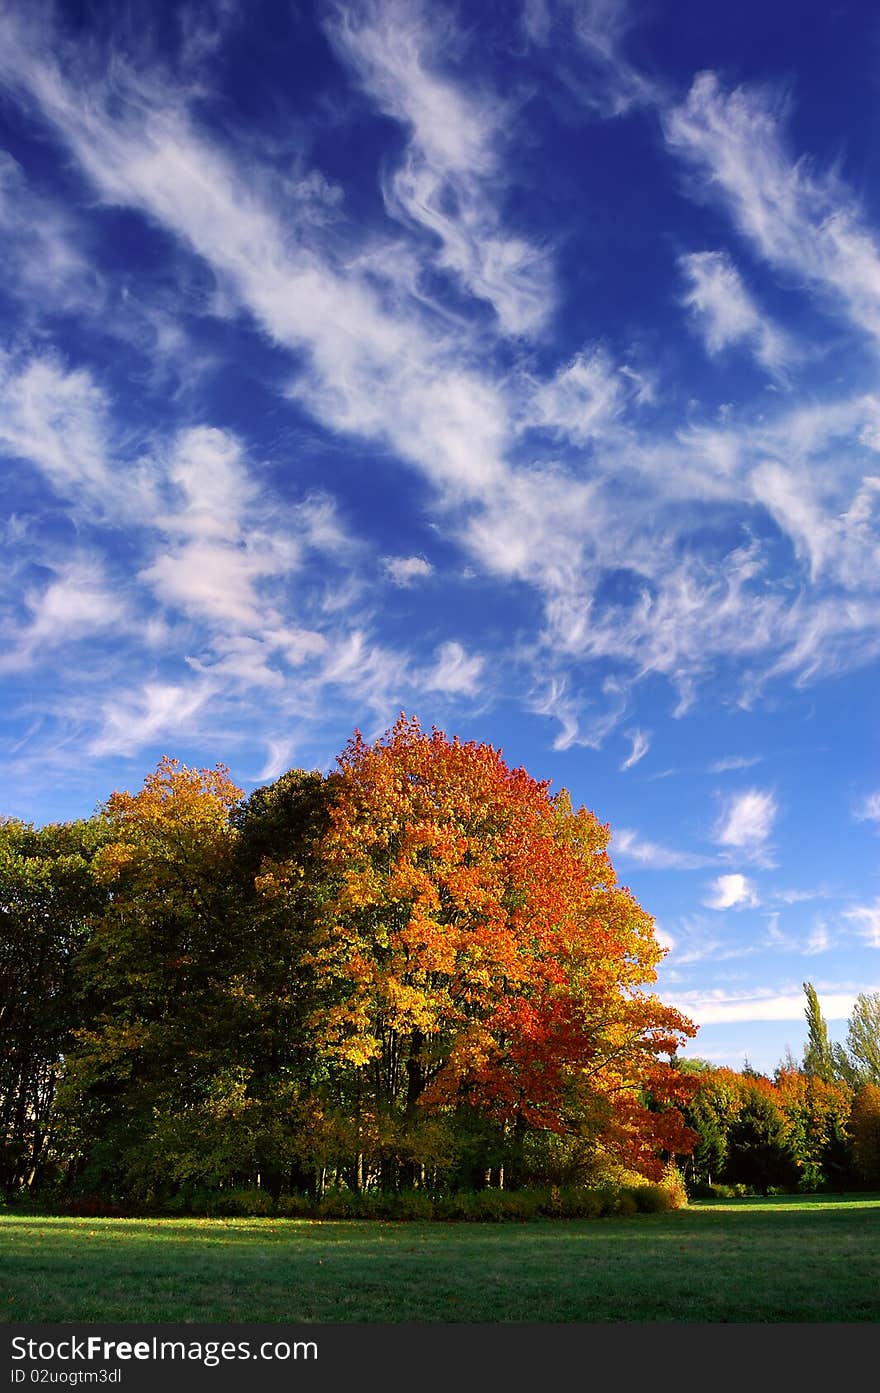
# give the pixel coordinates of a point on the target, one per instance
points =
(813, 1126)
(415, 973)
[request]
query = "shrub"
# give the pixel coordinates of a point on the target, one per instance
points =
(246, 1202)
(201, 1202)
(294, 1206)
(95, 1207)
(674, 1185)
(522, 1204)
(651, 1199)
(337, 1204)
(457, 1205)
(730, 1192)
(593, 1204)
(413, 1204)
(626, 1205)
(488, 1204)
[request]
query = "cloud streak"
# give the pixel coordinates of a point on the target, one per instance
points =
(797, 219)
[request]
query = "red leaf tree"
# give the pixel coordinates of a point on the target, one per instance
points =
(478, 952)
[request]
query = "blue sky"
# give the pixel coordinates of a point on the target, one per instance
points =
(511, 364)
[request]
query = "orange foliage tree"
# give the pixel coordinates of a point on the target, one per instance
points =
(477, 952)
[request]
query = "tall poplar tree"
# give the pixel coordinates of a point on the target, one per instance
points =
(818, 1057)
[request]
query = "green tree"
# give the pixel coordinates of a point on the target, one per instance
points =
(48, 898)
(863, 1038)
(818, 1059)
(307, 1107)
(709, 1113)
(160, 1006)
(193, 1064)
(758, 1152)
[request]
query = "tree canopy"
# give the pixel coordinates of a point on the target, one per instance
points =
(418, 965)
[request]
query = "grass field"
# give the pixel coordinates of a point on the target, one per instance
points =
(745, 1260)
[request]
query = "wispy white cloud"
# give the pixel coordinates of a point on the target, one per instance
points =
(135, 718)
(369, 369)
(279, 757)
(867, 919)
(455, 671)
(593, 33)
(583, 721)
(629, 589)
(404, 570)
(868, 810)
(448, 183)
(44, 265)
(819, 940)
(581, 400)
(77, 602)
(216, 552)
(747, 820)
(729, 762)
(56, 419)
(733, 891)
(641, 743)
(721, 1008)
(630, 846)
(726, 314)
(799, 896)
(799, 220)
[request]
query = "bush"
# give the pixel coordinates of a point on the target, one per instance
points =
(456, 1205)
(651, 1199)
(413, 1204)
(488, 1205)
(338, 1204)
(294, 1206)
(250, 1203)
(626, 1205)
(95, 1207)
(522, 1204)
(730, 1192)
(593, 1204)
(674, 1185)
(481, 1206)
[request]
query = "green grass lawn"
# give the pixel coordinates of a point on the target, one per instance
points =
(746, 1260)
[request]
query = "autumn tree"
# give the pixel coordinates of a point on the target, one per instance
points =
(816, 1112)
(477, 954)
(865, 1132)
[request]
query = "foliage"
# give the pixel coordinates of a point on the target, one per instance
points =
(863, 1038)
(865, 1131)
(417, 976)
(478, 953)
(156, 975)
(758, 1149)
(417, 971)
(48, 899)
(818, 1060)
(816, 1112)
(711, 1113)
